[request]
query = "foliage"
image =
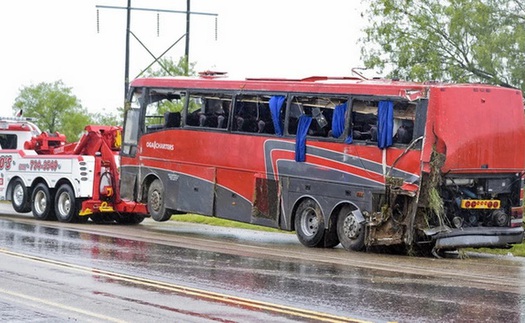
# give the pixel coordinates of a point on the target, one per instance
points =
(447, 40)
(195, 218)
(108, 119)
(167, 67)
(517, 250)
(54, 107)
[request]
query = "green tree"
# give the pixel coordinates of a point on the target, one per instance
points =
(167, 67)
(54, 107)
(447, 40)
(108, 119)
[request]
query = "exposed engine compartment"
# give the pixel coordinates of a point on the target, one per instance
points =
(480, 200)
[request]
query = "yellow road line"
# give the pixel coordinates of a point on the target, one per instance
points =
(261, 305)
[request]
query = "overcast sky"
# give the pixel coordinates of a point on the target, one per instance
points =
(46, 41)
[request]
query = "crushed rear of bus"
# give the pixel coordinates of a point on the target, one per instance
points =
(471, 187)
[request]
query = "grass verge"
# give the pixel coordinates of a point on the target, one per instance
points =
(517, 250)
(194, 218)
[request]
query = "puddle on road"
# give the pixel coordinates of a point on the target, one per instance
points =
(338, 289)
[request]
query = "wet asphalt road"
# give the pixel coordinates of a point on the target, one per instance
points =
(180, 272)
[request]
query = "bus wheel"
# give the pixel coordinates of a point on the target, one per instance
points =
(20, 197)
(330, 236)
(309, 223)
(42, 203)
(66, 207)
(350, 232)
(156, 207)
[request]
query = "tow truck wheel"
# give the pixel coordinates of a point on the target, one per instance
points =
(20, 197)
(156, 207)
(309, 224)
(66, 206)
(42, 203)
(350, 232)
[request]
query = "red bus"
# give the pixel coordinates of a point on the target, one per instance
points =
(342, 160)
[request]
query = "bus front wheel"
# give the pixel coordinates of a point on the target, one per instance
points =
(156, 207)
(351, 233)
(309, 223)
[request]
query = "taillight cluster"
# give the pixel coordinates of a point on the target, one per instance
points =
(480, 204)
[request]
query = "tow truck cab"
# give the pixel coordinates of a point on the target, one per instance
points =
(14, 132)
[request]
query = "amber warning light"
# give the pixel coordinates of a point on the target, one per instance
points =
(480, 204)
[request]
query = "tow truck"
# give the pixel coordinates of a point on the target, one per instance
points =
(70, 182)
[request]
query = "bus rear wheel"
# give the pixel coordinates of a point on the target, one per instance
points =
(156, 207)
(309, 223)
(42, 203)
(20, 197)
(66, 206)
(351, 233)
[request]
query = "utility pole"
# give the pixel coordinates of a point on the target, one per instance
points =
(128, 32)
(126, 64)
(187, 49)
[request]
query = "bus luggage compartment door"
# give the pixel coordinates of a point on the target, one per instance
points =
(196, 193)
(233, 187)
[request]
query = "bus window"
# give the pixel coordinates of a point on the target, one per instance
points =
(365, 120)
(163, 109)
(252, 114)
(321, 110)
(404, 118)
(209, 110)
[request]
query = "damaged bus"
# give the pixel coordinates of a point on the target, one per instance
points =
(361, 163)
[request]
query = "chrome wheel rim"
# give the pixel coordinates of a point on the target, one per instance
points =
(309, 222)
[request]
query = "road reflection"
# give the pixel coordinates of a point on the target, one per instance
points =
(332, 288)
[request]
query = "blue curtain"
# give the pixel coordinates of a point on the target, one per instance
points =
(338, 120)
(300, 139)
(385, 124)
(276, 103)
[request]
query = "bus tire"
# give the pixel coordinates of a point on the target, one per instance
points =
(351, 233)
(309, 224)
(66, 205)
(330, 236)
(156, 207)
(42, 203)
(20, 196)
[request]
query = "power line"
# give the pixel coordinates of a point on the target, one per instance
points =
(128, 9)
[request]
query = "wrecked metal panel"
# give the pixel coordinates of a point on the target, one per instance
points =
(478, 238)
